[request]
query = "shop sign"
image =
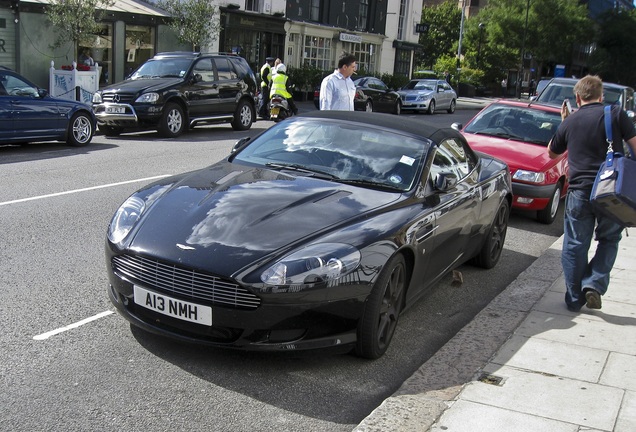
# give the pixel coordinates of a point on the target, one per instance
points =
(346, 37)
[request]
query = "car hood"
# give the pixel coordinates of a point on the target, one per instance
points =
(517, 154)
(227, 216)
(139, 85)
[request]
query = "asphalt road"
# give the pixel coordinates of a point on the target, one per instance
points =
(68, 363)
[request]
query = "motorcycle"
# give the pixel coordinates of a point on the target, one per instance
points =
(279, 108)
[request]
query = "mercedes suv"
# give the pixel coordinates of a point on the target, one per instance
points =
(172, 92)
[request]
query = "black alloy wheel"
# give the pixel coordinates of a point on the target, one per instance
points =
(490, 252)
(382, 310)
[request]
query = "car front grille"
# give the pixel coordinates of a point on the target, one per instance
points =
(192, 284)
(411, 98)
(121, 97)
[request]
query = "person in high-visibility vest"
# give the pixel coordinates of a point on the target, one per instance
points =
(266, 81)
(281, 85)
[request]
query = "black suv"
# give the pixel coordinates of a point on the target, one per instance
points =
(177, 90)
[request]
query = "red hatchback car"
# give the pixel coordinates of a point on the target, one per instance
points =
(518, 133)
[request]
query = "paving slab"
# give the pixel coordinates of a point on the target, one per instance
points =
(620, 372)
(562, 399)
(627, 416)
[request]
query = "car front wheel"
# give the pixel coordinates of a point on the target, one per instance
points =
(80, 130)
(382, 310)
(398, 108)
(243, 116)
(431, 107)
(549, 213)
(368, 106)
(172, 124)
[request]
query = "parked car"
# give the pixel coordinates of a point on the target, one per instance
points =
(29, 114)
(317, 233)
(559, 89)
(518, 133)
(374, 95)
(173, 92)
(428, 95)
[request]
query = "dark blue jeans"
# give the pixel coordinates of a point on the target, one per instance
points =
(581, 223)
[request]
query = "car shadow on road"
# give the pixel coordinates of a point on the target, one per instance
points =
(12, 153)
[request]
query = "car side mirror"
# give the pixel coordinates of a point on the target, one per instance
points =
(457, 126)
(196, 78)
(445, 181)
(42, 93)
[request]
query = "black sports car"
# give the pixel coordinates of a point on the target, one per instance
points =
(316, 233)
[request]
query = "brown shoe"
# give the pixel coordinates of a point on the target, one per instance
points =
(592, 298)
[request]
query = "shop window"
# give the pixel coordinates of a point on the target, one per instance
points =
(97, 49)
(140, 46)
(317, 52)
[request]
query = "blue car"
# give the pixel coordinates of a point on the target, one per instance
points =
(29, 114)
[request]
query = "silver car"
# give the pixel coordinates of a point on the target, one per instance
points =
(428, 95)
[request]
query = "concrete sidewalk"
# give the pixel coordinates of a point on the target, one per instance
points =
(527, 364)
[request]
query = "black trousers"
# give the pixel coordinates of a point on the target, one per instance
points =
(264, 108)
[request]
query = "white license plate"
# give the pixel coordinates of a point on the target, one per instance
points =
(172, 307)
(115, 110)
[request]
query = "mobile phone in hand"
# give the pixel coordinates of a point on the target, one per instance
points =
(567, 103)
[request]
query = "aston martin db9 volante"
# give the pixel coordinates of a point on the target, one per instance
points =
(317, 233)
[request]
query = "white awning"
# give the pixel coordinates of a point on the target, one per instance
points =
(127, 6)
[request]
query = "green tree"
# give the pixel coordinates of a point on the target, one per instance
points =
(193, 21)
(75, 19)
(442, 36)
(614, 58)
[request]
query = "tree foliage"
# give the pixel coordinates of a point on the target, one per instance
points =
(614, 58)
(194, 21)
(443, 32)
(75, 19)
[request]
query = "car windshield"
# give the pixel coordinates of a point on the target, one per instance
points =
(163, 68)
(556, 93)
(340, 151)
(517, 123)
(420, 85)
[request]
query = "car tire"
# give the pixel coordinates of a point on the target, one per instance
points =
(490, 252)
(243, 116)
(431, 107)
(382, 310)
(80, 130)
(172, 123)
(110, 131)
(451, 108)
(398, 108)
(549, 213)
(368, 106)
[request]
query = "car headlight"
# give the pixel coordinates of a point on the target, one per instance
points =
(148, 98)
(125, 219)
(424, 97)
(313, 264)
(97, 97)
(529, 176)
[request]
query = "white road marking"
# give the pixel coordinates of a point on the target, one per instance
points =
(82, 190)
(47, 335)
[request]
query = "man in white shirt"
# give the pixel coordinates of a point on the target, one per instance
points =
(338, 90)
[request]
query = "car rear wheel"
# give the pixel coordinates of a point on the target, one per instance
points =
(382, 310)
(368, 106)
(431, 107)
(80, 130)
(172, 124)
(398, 108)
(549, 213)
(243, 116)
(493, 246)
(451, 108)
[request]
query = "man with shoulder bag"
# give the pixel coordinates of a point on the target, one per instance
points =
(582, 134)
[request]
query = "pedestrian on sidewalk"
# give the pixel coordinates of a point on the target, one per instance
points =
(582, 134)
(338, 90)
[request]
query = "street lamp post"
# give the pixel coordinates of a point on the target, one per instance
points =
(459, 48)
(481, 31)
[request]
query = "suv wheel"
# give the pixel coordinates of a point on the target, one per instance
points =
(172, 123)
(243, 116)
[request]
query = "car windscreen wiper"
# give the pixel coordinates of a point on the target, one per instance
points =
(371, 184)
(303, 169)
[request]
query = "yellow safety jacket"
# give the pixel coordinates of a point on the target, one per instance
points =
(268, 75)
(279, 85)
